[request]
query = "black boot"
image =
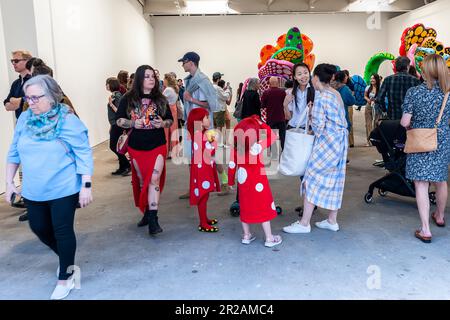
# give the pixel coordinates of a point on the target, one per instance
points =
(24, 217)
(153, 225)
(144, 220)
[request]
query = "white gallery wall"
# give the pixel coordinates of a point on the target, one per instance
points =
(91, 41)
(231, 44)
(85, 42)
(434, 15)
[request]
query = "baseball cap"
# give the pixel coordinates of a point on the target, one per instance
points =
(217, 75)
(190, 56)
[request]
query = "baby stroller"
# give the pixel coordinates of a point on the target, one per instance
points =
(235, 209)
(389, 138)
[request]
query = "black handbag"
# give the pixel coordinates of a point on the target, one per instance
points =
(238, 112)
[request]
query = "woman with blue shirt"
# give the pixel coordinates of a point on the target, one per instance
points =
(346, 95)
(52, 146)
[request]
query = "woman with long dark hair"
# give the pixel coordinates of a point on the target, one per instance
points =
(370, 96)
(323, 183)
(146, 112)
(299, 97)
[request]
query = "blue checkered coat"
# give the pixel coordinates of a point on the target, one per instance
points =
(324, 179)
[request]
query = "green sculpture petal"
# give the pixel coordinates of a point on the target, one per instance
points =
(374, 64)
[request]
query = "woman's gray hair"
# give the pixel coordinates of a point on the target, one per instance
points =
(252, 83)
(51, 88)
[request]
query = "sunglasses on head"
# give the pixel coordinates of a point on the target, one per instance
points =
(16, 61)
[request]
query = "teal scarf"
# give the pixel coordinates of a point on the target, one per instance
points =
(47, 126)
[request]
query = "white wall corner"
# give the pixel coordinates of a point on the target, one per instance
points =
(44, 33)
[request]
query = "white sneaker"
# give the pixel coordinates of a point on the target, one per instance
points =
(220, 145)
(62, 291)
(226, 146)
(297, 227)
(248, 241)
(326, 225)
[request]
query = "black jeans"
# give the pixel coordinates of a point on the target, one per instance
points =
(114, 135)
(281, 126)
(52, 222)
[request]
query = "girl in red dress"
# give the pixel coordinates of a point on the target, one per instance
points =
(203, 178)
(255, 197)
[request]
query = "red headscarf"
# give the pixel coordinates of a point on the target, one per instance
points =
(195, 115)
(253, 123)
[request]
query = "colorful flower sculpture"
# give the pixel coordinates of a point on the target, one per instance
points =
(278, 61)
(416, 43)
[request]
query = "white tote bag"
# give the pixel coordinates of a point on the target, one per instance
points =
(298, 147)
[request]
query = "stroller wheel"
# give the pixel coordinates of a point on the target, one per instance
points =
(382, 193)
(432, 196)
(368, 198)
(279, 210)
(234, 209)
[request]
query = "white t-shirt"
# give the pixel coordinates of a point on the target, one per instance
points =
(222, 97)
(299, 112)
(171, 95)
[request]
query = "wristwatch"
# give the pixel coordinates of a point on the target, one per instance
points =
(87, 185)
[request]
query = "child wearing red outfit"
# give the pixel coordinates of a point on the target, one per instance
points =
(255, 197)
(203, 178)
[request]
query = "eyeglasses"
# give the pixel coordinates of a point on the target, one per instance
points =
(34, 99)
(16, 61)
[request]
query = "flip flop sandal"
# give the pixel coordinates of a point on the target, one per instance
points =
(421, 237)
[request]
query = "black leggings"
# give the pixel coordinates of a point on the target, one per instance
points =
(114, 135)
(52, 222)
(281, 126)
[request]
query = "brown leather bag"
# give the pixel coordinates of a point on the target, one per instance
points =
(424, 139)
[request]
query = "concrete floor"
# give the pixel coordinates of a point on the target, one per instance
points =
(120, 261)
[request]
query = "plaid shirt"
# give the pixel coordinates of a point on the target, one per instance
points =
(394, 88)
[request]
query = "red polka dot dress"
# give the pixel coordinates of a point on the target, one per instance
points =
(204, 178)
(255, 197)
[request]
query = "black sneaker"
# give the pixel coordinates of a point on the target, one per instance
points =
(118, 172)
(126, 172)
(24, 217)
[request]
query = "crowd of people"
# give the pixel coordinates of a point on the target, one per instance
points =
(169, 117)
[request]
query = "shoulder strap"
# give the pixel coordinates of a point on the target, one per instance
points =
(444, 103)
(66, 149)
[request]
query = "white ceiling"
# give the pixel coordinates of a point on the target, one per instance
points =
(179, 7)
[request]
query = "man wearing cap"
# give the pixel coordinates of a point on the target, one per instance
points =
(199, 93)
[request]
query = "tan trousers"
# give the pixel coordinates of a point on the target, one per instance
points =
(351, 138)
(368, 115)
